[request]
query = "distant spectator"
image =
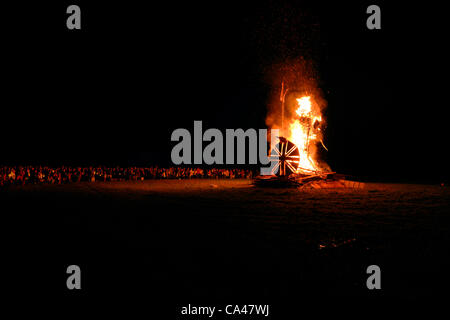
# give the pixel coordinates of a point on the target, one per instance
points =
(18, 175)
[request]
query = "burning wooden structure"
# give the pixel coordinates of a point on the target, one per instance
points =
(294, 159)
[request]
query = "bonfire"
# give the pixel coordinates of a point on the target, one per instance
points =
(294, 157)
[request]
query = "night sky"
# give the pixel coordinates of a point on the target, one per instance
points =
(113, 92)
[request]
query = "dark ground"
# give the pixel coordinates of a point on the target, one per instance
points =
(195, 241)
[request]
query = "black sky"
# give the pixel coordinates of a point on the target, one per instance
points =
(113, 92)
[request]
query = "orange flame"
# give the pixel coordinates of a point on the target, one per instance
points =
(304, 132)
(304, 106)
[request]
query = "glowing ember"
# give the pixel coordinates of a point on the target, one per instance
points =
(305, 132)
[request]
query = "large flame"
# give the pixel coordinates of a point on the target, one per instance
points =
(304, 132)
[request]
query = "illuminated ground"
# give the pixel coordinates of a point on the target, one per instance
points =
(225, 238)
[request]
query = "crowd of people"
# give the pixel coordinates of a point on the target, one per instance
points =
(19, 175)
